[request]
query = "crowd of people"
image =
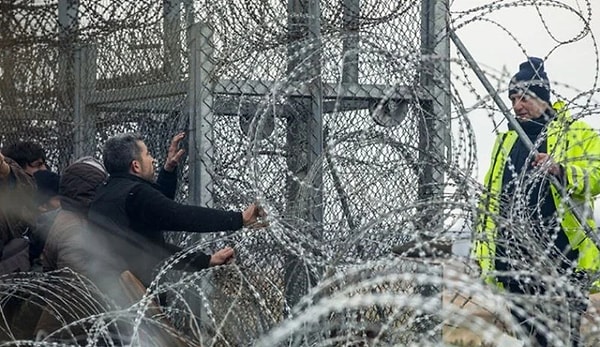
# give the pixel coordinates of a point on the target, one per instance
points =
(101, 218)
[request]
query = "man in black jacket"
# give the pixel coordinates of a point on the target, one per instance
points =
(132, 210)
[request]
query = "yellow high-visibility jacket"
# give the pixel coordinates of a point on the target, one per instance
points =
(572, 144)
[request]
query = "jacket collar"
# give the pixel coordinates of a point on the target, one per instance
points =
(129, 176)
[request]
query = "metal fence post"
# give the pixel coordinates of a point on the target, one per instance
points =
(68, 12)
(201, 116)
(84, 116)
(172, 41)
(435, 78)
(434, 135)
(304, 136)
(350, 22)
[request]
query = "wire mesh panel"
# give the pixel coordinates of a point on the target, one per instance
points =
(323, 112)
(340, 118)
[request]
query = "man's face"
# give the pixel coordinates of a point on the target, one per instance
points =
(527, 107)
(35, 166)
(146, 163)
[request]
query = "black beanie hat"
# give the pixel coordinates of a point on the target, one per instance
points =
(47, 185)
(531, 79)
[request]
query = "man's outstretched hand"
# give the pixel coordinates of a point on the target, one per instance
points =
(221, 256)
(175, 153)
(253, 215)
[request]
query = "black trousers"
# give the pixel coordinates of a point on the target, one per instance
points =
(530, 317)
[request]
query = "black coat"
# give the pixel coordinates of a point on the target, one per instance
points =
(131, 214)
(511, 254)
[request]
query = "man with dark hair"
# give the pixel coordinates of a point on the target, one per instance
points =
(23, 197)
(30, 156)
(133, 210)
(18, 212)
(527, 232)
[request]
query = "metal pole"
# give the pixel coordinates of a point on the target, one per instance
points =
(315, 121)
(491, 90)
(304, 137)
(434, 127)
(201, 142)
(522, 135)
(172, 41)
(68, 22)
(434, 147)
(84, 116)
(350, 20)
(201, 98)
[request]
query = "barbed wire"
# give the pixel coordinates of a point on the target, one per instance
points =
(302, 281)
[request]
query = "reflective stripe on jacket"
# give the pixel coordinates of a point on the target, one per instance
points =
(576, 147)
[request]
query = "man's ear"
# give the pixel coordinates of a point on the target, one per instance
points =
(135, 167)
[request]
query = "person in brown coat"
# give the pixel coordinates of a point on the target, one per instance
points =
(64, 246)
(66, 252)
(18, 207)
(18, 212)
(17, 215)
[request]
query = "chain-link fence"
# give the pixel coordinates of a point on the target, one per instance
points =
(333, 115)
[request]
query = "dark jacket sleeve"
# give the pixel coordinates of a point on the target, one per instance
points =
(150, 206)
(191, 262)
(167, 182)
(17, 206)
